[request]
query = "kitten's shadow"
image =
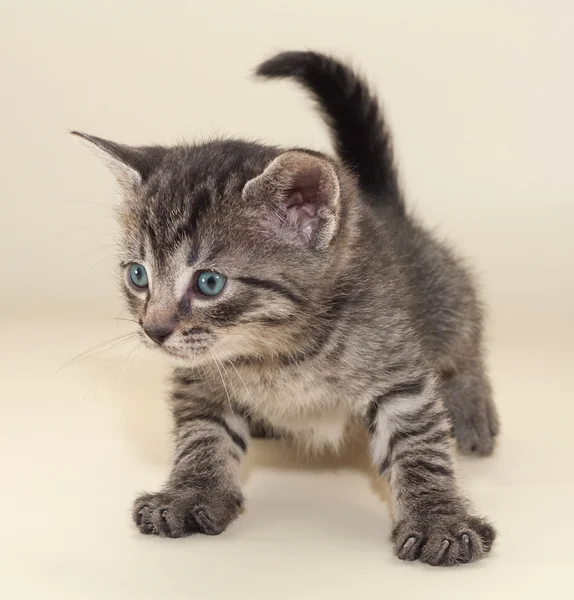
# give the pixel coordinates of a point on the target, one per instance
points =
(284, 455)
(144, 420)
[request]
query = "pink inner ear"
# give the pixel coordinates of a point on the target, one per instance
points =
(304, 214)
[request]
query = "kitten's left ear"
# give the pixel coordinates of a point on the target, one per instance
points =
(131, 165)
(303, 190)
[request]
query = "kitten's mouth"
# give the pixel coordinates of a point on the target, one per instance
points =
(187, 354)
(192, 346)
(176, 353)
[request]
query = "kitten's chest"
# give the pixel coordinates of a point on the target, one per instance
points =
(303, 403)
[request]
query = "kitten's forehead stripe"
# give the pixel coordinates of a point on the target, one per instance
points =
(193, 254)
(200, 203)
(215, 250)
(141, 248)
(193, 190)
(151, 235)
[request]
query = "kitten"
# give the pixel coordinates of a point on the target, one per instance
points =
(295, 295)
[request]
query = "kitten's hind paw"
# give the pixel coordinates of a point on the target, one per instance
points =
(477, 428)
(468, 397)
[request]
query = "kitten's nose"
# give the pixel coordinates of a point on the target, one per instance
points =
(159, 333)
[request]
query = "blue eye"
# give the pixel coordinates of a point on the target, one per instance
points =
(138, 275)
(210, 283)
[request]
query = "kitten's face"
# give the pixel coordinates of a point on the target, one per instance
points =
(224, 246)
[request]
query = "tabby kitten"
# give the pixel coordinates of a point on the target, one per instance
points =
(295, 295)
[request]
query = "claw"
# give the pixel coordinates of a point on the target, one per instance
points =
(443, 548)
(407, 547)
(141, 515)
(465, 547)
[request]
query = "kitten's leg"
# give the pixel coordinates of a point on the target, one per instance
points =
(468, 396)
(410, 439)
(202, 494)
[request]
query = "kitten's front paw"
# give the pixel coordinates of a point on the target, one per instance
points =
(184, 512)
(442, 540)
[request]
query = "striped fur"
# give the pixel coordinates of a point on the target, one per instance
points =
(338, 309)
(210, 442)
(411, 441)
(359, 133)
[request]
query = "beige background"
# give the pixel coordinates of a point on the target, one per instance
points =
(480, 95)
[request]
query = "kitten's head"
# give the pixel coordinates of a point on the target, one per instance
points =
(227, 247)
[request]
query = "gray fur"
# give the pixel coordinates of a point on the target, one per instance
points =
(339, 310)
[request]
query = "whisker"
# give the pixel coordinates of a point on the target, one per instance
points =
(93, 380)
(112, 347)
(124, 308)
(240, 378)
(222, 380)
(114, 319)
(89, 388)
(96, 375)
(206, 376)
(63, 233)
(108, 247)
(122, 338)
(126, 363)
(95, 249)
(101, 260)
(229, 380)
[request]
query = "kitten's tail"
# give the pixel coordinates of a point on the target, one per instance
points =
(352, 111)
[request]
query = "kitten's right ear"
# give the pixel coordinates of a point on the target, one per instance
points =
(301, 191)
(131, 165)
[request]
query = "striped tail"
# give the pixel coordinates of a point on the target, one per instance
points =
(352, 111)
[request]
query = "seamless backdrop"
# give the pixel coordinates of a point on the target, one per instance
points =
(480, 96)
